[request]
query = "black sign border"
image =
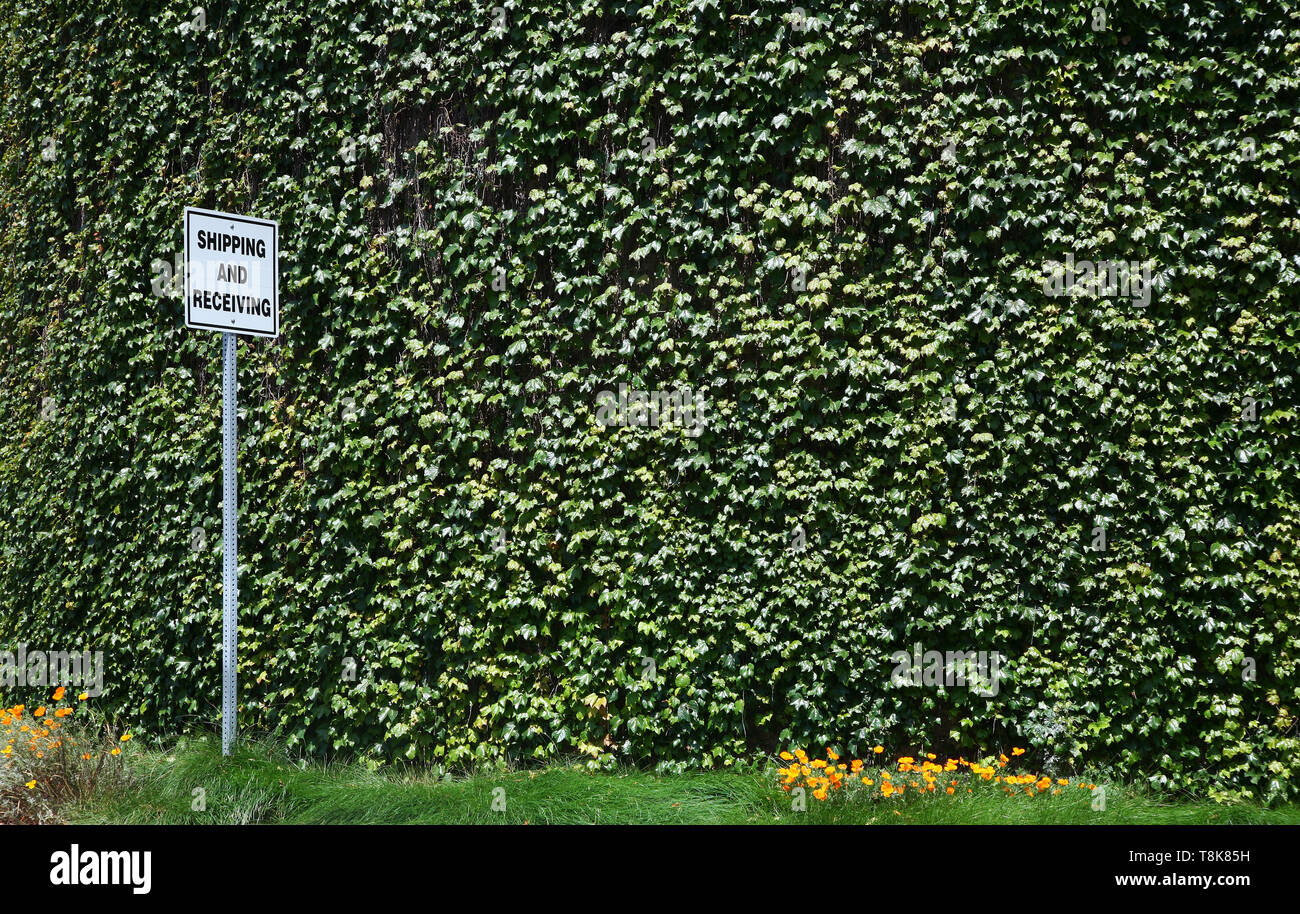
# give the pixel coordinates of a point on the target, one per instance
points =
(275, 270)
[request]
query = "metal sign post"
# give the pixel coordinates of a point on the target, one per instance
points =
(232, 284)
(229, 548)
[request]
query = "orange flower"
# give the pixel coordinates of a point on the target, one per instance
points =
(877, 750)
(39, 712)
(58, 693)
(1017, 751)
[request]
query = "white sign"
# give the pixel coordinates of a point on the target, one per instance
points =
(232, 273)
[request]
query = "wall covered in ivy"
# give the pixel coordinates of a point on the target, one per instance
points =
(834, 226)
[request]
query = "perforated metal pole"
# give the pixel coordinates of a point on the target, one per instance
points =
(229, 549)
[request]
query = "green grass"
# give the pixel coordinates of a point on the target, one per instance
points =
(261, 784)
